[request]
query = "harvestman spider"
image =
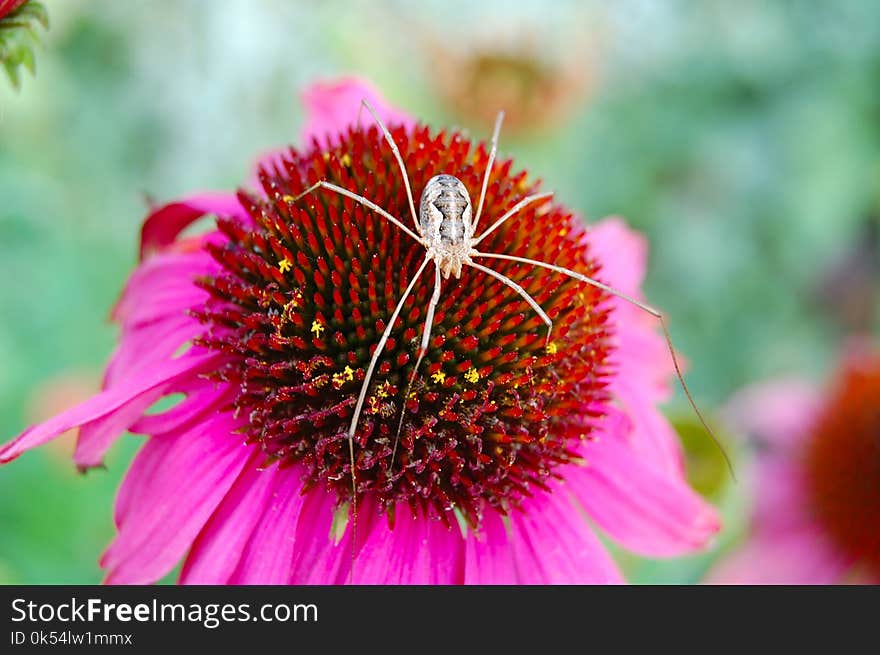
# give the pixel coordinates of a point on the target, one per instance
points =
(446, 230)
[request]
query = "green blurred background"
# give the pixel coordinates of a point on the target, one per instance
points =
(743, 138)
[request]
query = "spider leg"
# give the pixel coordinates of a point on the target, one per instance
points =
(396, 150)
(426, 337)
(360, 402)
(322, 184)
(513, 210)
(513, 285)
(379, 347)
(491, 161)
(653, 312)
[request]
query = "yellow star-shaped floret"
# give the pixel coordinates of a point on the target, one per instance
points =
(551, 348)
(439, 377)
(284, 265)
(472, 375)
(317, 328)
(372, 405)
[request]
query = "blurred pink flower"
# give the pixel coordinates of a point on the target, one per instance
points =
(265, 325)
(816, 517)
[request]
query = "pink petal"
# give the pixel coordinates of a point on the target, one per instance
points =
(164, 224)
(642, 361)
(780, 413)
(489, 557)
(153, 311)
(644, 509)
(124, 401)
(163, 286)
(622, 252)
(268, 556)
(416, 551)
(332, 107)
(553, 544)
(650, 435)
(148, 346)
(217, 550)
(642, 357)
(796, 557)
(165, 377)
(317, 559)
(173, 486)
(203, 398)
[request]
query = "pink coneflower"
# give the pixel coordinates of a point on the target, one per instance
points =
(817, 484)
(266, 325)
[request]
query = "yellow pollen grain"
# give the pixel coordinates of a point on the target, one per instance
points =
(563, 232)
(472, 375)
(439, 377)
(284, 265)
(326, 156)
(346, 160)
(382, 391)
(288, 198)
(348, 372)
(317, 328)
(338, 379)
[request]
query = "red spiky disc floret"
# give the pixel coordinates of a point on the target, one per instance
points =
(843, 464)
(306, 292)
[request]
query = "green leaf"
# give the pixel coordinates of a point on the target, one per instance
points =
(18, 35)
(34, 10)
(12, 72)
(26, 59)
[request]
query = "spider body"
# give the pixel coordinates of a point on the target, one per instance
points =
(446, 223)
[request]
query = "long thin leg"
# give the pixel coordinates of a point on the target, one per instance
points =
(513, 285)
(426, 337)
(359, 199)
(513, 210)
(654, 312)
(381, 345)
(577, 276)
(409, 195)
(360, 403)
(360, 109)
(491, 161)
